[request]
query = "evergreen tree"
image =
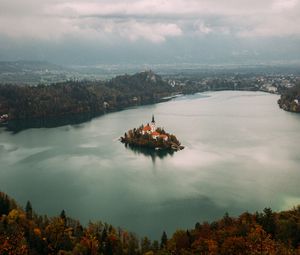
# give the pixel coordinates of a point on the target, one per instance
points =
(164, 240)
(268, 221)
(227, 219)
(145, 245)
(103, 242)
(28, 210)
(4, 204)
(155, 246)
(63, 217)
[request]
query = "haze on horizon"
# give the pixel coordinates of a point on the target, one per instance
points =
(82, 32)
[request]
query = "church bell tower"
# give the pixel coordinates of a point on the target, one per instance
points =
(153, 128)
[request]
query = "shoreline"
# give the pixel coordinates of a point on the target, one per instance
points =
(17, 125)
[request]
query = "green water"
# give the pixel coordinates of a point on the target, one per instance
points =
(242, 153)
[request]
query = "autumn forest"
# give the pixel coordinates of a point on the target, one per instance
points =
(23, 231)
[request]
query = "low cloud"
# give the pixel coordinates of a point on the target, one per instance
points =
(153, 20)
(283, 5)
(202, 28)
(154, 32)
(191, 27)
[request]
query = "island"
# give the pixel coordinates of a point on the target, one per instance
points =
(150, 136)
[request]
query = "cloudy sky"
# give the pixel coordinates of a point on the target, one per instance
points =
(150, 31)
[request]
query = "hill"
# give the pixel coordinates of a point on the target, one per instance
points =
(73, 97)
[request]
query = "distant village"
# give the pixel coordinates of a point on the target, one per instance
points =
(271, 83)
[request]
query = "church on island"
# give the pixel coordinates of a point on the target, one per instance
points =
(151, 136)
(151, 130)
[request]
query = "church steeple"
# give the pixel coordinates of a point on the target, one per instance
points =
(153, 128)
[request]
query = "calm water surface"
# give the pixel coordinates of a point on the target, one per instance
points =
(242, 153)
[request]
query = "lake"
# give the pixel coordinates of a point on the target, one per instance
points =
(241, 154)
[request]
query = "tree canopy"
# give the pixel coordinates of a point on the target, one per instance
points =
(264, 232)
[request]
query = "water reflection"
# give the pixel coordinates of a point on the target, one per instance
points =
(50, 122)
(154, 154)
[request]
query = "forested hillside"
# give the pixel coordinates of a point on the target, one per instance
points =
(290, 99)
(22, 231)
(71, 97)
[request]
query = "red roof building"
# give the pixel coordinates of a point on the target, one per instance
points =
(155, 133)
(146, 129)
